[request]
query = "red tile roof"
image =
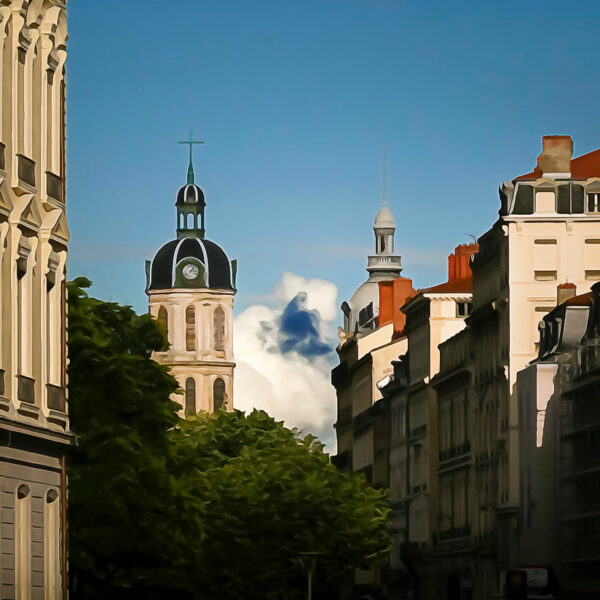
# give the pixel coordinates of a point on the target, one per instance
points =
(581, 300)
(582, 167)
(451, 287)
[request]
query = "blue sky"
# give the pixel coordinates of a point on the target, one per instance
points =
(297, 101)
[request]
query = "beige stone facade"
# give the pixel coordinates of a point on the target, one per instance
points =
(34, 427)
(200, 348)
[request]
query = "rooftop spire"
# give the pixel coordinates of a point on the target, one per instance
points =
(190, 172)
(384, 201)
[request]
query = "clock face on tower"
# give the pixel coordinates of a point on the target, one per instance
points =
(190, 271)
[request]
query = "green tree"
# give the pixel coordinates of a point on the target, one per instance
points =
(122, 500)
(215, 507)
(264, 495)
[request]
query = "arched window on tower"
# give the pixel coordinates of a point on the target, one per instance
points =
(163, 320)
(190, 396)
(218, 394)
(219, 328)
(382, 243)
(190, 328)
(190, 221)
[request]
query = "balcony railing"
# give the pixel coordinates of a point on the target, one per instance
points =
(55, 186)
(26, 169)
(26, 389)
(454, 533)
(56, 397)
(455, 452)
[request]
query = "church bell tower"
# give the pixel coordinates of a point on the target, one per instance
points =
(190, 284)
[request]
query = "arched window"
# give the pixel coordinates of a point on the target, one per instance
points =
(219, 328)
(190, 328)
(163, 320)
(382, 243)
(190, 221)
(23, 542)
(52, 545)
(218, 394)
(190, 396)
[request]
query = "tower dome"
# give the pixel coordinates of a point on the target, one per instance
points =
(191, 263)
(384, 219)
(361, 311)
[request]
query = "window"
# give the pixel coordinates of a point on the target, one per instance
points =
(463, 309)
(52, 545)
(23, 543)
(190, 396)
(163, 320)
(218, 394)
(545, 275)
(190, 328)
(593, 203)
(545, 259)
(219, 328)
(382, 243)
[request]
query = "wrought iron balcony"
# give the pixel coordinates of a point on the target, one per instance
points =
(26, 169)
(26, 389)
(56, 397)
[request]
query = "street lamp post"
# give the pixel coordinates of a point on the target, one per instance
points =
(309, 561)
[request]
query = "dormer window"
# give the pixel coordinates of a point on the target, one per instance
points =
(463, 309)
(593, 202)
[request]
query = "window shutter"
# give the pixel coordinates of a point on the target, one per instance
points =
(190, 396)
(563, 203)
(577, 198)
(524, 200)
(219, 328)
(190, 328)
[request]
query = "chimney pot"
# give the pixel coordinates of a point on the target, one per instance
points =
(564, 291)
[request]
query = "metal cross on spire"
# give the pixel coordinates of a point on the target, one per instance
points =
(191, 142)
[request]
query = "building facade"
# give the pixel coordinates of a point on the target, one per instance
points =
(547, 234)
(436, 483)
(190, 286)
(34, 426)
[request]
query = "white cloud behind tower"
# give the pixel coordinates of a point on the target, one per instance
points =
(284, 354)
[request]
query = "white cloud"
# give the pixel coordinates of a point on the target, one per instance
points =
(288, 385)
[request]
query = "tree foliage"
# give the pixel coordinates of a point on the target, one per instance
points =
(215, 506)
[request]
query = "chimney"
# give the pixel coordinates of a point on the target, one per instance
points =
(557, 152)
(393, 294)
(459, 266)
(564, 291)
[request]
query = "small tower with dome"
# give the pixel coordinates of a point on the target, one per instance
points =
(362, 310)
(190, 284)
